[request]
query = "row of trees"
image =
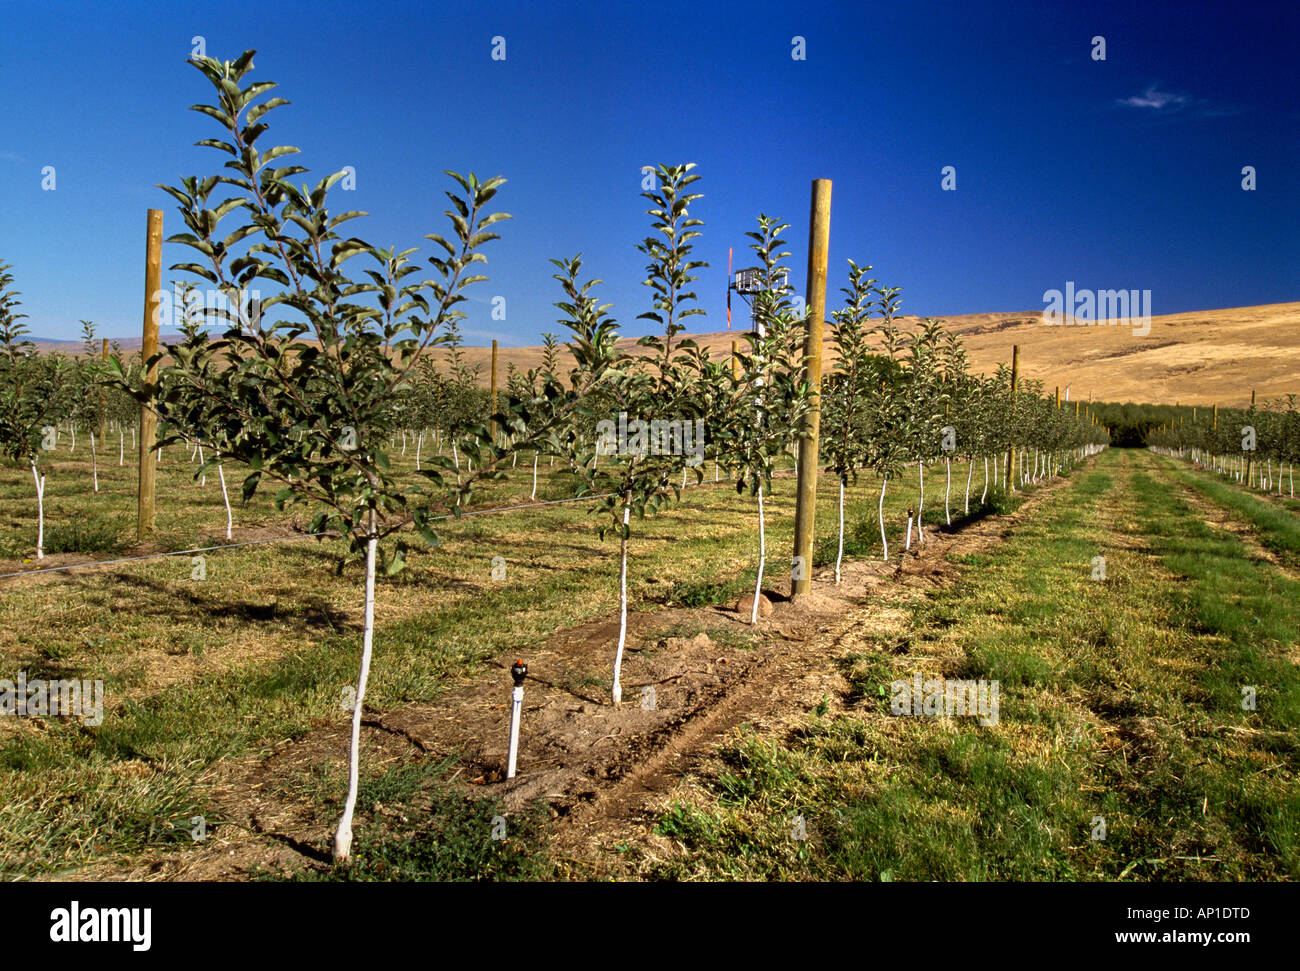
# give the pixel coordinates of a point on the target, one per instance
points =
(47, 399)
(314, 403)
(1252, 445)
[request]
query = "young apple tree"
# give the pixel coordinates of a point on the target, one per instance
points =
(308, 403)
(770, 397)
(26, 390)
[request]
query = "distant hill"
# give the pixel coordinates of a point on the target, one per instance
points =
(1203, 357)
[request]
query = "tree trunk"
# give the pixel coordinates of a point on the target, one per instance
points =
(226, 498)
(534, 493)
(622, 600)
(880, 514)
(839, 556)
(343, 836)
(970, 472)
(947, 488)
(920, 506)
(40, 513)
(94, 462)
(985, 493)
(762, 558)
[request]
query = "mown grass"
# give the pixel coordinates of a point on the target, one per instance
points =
(260, 649)
(1121, 705)
(1277, 528)
(457, 838)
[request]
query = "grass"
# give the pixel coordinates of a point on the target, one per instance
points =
(1277, 528)
(198, 672)
(1121, 706)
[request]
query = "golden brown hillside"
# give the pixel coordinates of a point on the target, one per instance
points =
(1204, 357)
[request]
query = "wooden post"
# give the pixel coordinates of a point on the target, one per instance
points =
(1215, 426)
(493, 429)
(103, 405)
(735, 361)
(819, 241)
(1058, 397)
(1011, 449)
(148, 348)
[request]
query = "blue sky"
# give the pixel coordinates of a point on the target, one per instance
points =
(1122, 173)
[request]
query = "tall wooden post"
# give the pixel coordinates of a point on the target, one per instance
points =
(103, 405)
(148, 348)
(1058, 397)
(819, 241)
(493, 428)
(735, 361)
(1011, 449)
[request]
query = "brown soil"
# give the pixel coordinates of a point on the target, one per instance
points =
(599, 767)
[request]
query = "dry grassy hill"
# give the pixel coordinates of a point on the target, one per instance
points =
(1204, 357)
(1194, 358)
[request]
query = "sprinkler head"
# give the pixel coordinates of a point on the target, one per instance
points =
(519, 671)
(909, 512)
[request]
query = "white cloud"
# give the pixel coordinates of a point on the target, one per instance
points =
(1152, 97)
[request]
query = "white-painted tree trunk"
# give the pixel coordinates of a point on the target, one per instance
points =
(920, 506)
(762, 557)
(94, 462)
(947, 488)
(985, 493)
(622, 602)
(839, 556)
(419, 441)
(970, 472)
(121, 445)
(880, 515)
(534, 493)
(40, 512)
(225, 498)
(343, 835)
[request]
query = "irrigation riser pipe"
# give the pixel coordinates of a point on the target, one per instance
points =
(518, 671)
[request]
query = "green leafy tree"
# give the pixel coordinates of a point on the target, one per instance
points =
(26, 390)
(770, 399)
(309, 402)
